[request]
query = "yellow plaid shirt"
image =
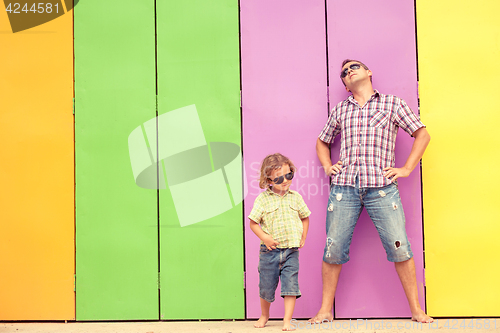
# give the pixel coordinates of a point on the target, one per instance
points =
(280, 216)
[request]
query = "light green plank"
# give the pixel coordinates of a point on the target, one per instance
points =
(198, 63)
(116, 220)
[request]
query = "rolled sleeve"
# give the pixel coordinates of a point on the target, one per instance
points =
(257, 211)
(303, 209)
(406, 119)
(332, 127)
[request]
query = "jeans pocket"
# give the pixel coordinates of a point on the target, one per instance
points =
(264, 249)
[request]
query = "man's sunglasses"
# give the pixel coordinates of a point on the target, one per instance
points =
(343, 74)
(280, 179)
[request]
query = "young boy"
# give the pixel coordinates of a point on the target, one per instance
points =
(284, 220)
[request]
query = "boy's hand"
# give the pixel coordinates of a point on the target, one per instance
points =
(305, 224)
(270, 242)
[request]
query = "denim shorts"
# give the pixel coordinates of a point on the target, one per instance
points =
(383, 205)
(275, 265)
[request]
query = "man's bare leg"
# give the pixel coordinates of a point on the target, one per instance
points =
(406, 273)
(330, 274)
(264, 317)
(287, 318)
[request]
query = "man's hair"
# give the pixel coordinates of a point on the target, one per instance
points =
(270, 163)
(346, 61)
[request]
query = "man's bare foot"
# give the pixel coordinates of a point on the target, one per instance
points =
(261, 322)
(321, 317)
(421, 317)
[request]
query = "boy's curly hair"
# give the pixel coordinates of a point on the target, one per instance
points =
(270, 163)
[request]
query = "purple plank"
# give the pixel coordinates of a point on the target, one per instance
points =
(382, 35)
(284, 102)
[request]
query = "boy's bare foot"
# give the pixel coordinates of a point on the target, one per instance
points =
(421, 317)
(286, 327)
(261, 322)
(320, 317)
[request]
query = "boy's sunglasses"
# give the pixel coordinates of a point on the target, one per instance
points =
(343, 74)
(280, 179)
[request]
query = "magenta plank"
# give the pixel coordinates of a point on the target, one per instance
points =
(284, 103)
(382, 35)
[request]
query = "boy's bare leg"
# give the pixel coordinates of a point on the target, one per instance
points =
(330, 274)
(264, 317)
(289, 306)
(406, 273)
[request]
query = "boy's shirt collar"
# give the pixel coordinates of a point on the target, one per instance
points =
(271, 191)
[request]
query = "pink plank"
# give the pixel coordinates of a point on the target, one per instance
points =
(381, 34)
(284, 102)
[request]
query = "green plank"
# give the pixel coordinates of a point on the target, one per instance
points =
(116, 220)
(201, 262)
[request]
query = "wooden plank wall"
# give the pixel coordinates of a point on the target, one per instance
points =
(201, 228)
(134, 260)
(36, 171)
(382, 35)
(284, 105)
(116, 220)
(458, 48)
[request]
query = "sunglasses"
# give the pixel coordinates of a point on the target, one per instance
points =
(280, 179)
(343, 74)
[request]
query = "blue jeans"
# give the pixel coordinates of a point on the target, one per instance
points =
(384, 207)
(278, 264)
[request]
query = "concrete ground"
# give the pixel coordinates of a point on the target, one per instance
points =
(442, 325)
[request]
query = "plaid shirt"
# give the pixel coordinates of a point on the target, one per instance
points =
(368, 137)
(280, 216)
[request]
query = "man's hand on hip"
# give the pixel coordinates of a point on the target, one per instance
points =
(334, 169)
(394, 173)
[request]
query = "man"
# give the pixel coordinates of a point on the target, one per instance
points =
(366, 176)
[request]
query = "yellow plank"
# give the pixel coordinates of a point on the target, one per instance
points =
(458, 53)
(36, 171)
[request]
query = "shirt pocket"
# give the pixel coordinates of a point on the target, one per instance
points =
(293, 212)
(295, 222)
(379, 118)
(271, 212)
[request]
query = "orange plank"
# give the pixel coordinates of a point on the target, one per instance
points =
(36, 171)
